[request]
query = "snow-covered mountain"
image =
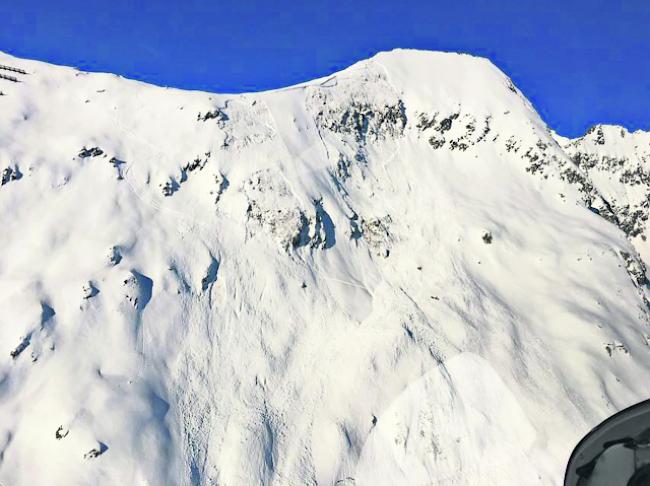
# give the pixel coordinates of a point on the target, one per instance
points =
(617, 163)
(393, 275)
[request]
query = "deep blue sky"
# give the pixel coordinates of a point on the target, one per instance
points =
(580, 62)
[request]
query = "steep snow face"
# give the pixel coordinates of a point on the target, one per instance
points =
(387, 276)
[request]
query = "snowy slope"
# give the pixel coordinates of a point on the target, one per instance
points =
(387, 276)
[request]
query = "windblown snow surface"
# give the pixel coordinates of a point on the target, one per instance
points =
(396, 275)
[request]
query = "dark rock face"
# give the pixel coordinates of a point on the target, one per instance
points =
(635, 268)
(96, 452)
(90, 152)
(61, 433)
(10, 174)
(217, 114)
(173, 184)
(366, 122)
(455, 131)
(170, 187)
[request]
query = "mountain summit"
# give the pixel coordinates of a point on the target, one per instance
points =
(396, 274)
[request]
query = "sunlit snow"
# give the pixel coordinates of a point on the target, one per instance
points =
(394, 275)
